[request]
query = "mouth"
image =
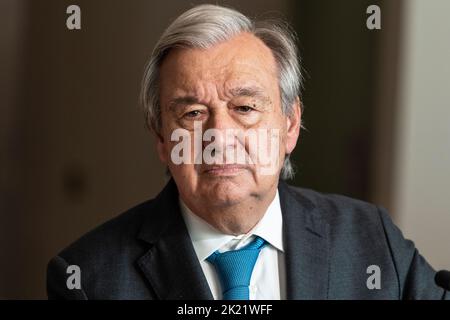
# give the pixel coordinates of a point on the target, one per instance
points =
(223, 169)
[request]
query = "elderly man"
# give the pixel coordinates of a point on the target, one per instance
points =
(226, 226)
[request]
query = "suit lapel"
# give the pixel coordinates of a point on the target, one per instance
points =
(306, 247)
(172, 268)
(171, 265)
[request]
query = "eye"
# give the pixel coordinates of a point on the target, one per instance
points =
(244, 109)
(192, 114)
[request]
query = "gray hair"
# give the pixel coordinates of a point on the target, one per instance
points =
(203, 26)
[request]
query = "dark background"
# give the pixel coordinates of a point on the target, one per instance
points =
(75, 150)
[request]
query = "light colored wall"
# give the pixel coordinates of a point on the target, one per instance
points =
(422, 166)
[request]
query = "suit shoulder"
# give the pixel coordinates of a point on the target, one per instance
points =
(104, 253)
(335, 208)
(111, 236)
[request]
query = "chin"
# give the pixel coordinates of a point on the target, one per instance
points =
(226, 191)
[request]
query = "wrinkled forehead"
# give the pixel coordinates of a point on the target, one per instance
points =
(240, 61)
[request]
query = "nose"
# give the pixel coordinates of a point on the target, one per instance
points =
(220, 130)
(219, 125)
(220, 119)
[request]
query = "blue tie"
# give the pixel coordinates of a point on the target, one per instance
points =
(235, 269)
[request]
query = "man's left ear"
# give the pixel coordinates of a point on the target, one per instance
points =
(293, 126)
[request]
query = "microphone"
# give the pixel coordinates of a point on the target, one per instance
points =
(442, 279)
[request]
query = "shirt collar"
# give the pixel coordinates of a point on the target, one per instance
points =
(206, 239)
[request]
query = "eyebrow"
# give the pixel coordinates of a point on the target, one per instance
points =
(251, 91)
(186, 100)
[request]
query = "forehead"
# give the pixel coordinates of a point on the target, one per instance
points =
(240, 60)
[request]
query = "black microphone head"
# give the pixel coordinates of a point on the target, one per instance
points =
(442, 279)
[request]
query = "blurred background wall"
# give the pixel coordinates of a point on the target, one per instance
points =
(75, 151)
(422, 132)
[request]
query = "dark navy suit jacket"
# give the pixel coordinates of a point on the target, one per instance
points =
(330, 241)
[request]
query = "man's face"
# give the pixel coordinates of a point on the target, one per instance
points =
(232, 85)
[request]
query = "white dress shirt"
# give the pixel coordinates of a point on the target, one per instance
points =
(268, 277)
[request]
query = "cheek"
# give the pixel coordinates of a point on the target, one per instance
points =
(268, 147)
(185, 176)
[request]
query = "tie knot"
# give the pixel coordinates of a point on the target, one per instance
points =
(235, 269)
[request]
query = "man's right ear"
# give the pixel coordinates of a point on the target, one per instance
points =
(161, 148)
